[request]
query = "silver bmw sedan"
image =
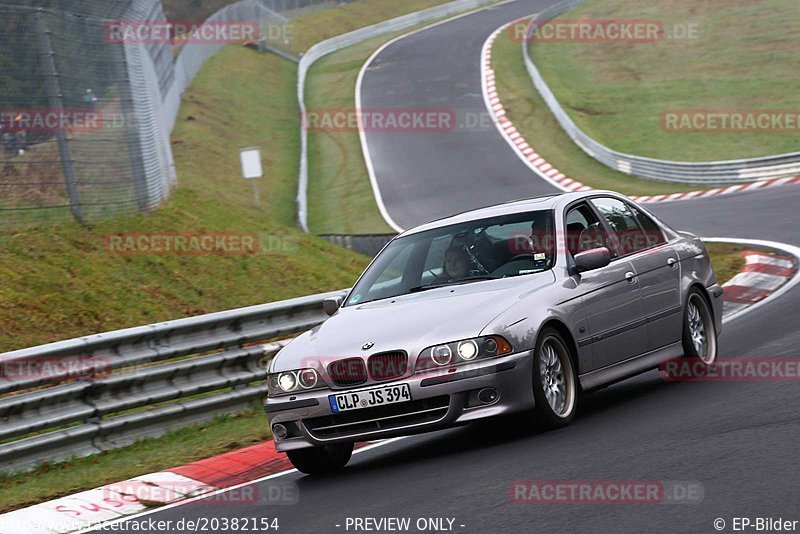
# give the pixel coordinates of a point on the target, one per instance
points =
(520, 307)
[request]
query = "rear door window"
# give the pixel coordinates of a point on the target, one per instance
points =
(626, 235)
(653, 232)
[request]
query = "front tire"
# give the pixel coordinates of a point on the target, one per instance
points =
(321, 460)
(555, 386)
(699, 329)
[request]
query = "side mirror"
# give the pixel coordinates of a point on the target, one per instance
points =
(332, 305)
(589, 260)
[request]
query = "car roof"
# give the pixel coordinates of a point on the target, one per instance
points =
(546, 202)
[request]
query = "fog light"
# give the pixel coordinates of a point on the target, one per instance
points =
(279, 431)
(487, 395)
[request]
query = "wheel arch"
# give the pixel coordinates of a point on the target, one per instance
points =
(565, 333)
(704, 292)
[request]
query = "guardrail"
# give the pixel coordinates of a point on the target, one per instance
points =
(714, 172)
(349, 39)
(86, 395)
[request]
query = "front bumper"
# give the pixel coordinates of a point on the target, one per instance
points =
(440, 399)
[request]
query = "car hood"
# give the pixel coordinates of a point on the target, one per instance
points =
(408, 322)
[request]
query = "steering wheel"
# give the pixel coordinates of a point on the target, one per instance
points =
(521, 256)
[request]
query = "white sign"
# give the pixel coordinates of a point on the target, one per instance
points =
(251, 163)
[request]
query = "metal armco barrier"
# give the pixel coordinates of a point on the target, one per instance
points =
(715, 172)
(141, 381)
(349, 39)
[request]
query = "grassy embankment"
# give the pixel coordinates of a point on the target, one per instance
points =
(738, 55)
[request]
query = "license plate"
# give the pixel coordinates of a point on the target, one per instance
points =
(355, 400)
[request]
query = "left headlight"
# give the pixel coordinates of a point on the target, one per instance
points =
(297, 381)
(461, 352)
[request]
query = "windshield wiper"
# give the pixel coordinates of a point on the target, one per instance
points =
(466, 280)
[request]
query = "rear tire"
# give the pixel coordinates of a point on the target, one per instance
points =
(321, 460)
(699, 329)
(555, 386)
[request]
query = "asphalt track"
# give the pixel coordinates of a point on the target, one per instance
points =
(738, 439)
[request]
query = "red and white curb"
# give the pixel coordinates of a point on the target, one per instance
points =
(555, 177)
(763, 274)
(771, 269)
(147, 493)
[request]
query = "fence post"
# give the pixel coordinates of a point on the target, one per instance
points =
(132, 126)
(55, 102)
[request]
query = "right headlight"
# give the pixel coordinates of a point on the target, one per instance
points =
(298, 381)
(461, 352)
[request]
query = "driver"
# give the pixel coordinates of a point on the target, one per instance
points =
(456, 263)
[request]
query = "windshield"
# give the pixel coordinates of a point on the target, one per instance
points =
(518, 244)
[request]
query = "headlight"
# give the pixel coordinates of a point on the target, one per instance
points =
(287, 381)
(459, 352)
(307, 378)
(468, 350)
(293, 382)
(441, 355)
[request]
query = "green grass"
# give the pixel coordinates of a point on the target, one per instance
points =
(538, 125)
(186, 10)
(744, 57)
(51, 481)
(727, 259)
(313, 27)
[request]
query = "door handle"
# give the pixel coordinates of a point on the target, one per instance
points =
(630, 277)
(672, 262)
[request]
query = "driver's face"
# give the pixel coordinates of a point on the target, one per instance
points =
(456, 265)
